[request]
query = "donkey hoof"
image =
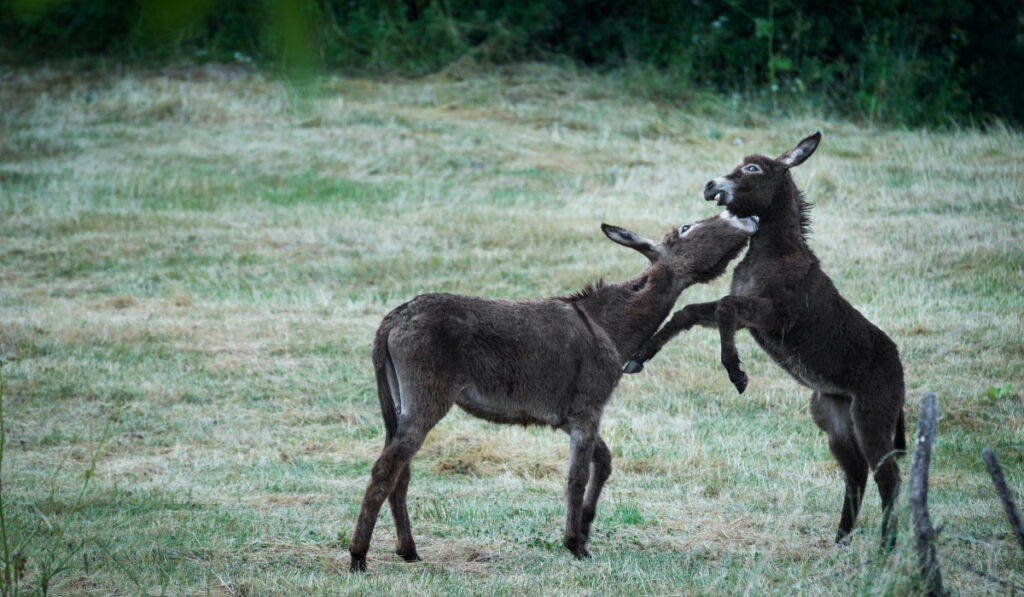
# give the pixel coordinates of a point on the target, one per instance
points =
(357, 565)
(581, 553)
(740, 381)
(578, 549)
(410, 557)
(634, 366)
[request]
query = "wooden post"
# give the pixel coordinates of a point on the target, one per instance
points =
(918, 495)
(1004, 493)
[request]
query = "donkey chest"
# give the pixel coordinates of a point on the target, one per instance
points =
(744, 285)
(762, 275)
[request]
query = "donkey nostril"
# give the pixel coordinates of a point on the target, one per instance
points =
(708, 186)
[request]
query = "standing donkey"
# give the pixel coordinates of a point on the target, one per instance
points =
(531, 362)
(793, 311)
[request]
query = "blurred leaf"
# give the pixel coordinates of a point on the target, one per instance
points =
(780, 63)
(763, 28)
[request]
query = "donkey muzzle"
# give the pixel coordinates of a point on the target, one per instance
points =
(718, 190)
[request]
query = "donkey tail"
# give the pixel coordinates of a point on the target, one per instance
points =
(900, 439)
(382, 366)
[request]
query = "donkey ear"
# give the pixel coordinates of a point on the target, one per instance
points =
(632, 240)
(803, 150)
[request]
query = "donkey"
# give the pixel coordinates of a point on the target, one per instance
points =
(794, 312)
(529, 362)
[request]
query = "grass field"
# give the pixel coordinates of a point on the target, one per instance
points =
(193, 262)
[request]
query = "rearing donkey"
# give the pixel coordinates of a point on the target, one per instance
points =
(793, 311)
(531, 362)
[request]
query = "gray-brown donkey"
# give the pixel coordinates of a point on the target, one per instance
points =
(531, 362)
(794, 312)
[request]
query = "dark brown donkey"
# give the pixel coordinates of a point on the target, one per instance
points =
(798, 317)
(531, 362)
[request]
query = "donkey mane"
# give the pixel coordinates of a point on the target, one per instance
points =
(589, 289)
(804, 212)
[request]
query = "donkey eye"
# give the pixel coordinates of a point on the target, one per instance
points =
(752, 169)
(683, 229)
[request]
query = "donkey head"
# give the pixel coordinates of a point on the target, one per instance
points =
(693, 253)
(753, 187)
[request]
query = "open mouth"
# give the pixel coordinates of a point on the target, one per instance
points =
(719, 190)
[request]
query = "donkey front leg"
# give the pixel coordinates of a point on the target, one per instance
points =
(738, 311)
(600, 470)
(696, 314)
(581, 451)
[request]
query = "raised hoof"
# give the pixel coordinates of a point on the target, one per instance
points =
(410, 557)
(633, 366)
(357, 565)
(739, 380)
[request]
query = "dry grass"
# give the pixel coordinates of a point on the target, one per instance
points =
(205, 253)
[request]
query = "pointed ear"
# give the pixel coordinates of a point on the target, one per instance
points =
(632, 240)
(803, 150)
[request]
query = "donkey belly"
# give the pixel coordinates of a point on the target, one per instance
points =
(498, 407)
(791, 361)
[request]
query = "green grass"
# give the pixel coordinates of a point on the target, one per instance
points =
(203, 262)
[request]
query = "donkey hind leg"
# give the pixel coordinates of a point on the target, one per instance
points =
(600, 470)
(831, 413)
(389, 475)
(383, 479)
(682, 320)
(875, 428)
(406, 547)
(581, 450)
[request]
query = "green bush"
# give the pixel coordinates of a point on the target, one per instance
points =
(897, 62)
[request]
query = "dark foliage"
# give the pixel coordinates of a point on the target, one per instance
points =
(904, 62)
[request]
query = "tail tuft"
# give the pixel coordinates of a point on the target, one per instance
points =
(381, 364)
(900, 439)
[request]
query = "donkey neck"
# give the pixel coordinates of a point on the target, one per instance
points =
(631, 311)
(781, 227)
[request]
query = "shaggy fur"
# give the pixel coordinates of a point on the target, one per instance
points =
(532, 362)
(793, 311)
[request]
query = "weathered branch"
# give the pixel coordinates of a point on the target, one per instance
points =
(1012, 513)
(918, 495)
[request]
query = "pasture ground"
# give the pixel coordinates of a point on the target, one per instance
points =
(193, 262)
